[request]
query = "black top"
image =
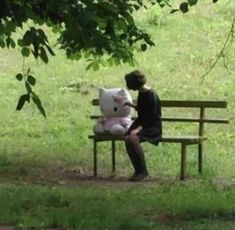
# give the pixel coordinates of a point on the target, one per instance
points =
(149, 116)
(148, 109)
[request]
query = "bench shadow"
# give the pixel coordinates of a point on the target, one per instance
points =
(89, 178)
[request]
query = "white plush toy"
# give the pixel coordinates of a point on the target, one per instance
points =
(116, 116)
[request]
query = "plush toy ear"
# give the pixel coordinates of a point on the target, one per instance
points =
(124, 96)
(122, 92)
(101, 91)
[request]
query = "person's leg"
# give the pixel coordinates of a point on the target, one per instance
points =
(139, 154)
(131, 154)
(136, 155)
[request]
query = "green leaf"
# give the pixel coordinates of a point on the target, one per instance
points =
(50, 50)
(43, 54)
(2, 43)
(86, 54)
(192, 2)
(174, 11)
(25, 51)
(20, 42)
(22, 101)
(89, 66)
(28, 38)
(12, 43)
(8, 42)
(122, 24)
(214, 1)
(137, 7)
(35, 49)
(184, 7)
(38, 103)
(42, 36)
(162, 5)
(95, 66)
(143, 47)
(56, 28)
(19, 76)
(109, 6)
(28, 87)
(130, 19)
(31, 80)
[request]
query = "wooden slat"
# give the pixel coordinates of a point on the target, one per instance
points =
(182, 119)
(183, 139)
(205, 120)
(193, 104)
(185, 103)
(106, 137)
(169, 139)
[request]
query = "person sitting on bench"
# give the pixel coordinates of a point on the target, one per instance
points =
(146, 127)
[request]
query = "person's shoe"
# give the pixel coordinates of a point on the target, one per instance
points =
(138, 177)
(133, 176)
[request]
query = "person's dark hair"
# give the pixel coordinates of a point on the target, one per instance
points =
(135, 79)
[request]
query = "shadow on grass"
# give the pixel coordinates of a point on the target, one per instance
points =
(18, 174)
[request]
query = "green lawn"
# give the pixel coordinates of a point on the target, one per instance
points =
(45, 164)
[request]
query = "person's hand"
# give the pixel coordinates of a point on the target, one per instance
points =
(135, 131)
(127, 103)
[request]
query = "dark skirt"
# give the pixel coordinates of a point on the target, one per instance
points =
(150, 134)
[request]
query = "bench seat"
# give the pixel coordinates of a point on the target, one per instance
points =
(171, 139)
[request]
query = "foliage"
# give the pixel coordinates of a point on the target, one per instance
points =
(90, 28)
(29, 81)
(93, 27)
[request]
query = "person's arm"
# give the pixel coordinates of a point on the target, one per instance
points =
(128, 103)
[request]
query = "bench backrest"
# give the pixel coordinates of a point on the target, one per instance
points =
(201, 119)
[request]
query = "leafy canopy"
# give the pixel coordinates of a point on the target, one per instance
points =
(89, 28)
(93, 27)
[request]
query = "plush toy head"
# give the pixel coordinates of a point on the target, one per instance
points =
(116, 116)
(110, 108)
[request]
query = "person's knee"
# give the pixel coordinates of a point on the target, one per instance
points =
(134, 139)
(126, 138)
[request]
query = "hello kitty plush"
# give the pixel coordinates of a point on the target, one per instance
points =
(116, 116)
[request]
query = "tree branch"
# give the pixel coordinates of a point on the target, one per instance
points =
(228, 41)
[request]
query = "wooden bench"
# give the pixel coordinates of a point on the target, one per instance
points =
(199, 118)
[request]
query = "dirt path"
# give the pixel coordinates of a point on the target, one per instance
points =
(71, 177)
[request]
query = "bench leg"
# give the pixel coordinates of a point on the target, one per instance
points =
(113, 156)
(183, 161)
(200, 153)
(95, 157)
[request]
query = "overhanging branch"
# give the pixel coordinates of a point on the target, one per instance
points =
(227, 42)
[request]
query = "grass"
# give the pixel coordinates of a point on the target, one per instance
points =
(42, 161)
(130, 207)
